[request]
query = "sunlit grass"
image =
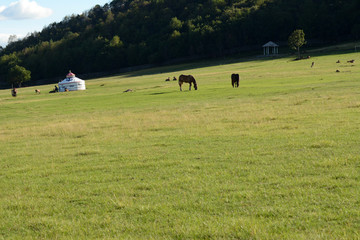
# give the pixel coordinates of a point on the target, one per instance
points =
(277, 158)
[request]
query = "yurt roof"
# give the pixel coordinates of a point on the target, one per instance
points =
(70, 74)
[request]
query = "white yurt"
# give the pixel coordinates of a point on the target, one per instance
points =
(71, 83)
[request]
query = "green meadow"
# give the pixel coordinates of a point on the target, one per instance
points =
(276, 158)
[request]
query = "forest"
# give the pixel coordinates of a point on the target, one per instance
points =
(125, 33)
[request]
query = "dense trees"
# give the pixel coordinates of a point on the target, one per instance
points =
(133, 32)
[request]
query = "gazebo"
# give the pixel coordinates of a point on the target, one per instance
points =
(270, 48)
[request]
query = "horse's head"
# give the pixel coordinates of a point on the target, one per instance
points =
(195, 85)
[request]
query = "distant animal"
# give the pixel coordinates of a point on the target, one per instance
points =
(168, 79)
(187, 79)
(351, 61)
(66, 90)
(56, 89)
(14, 92)
(37, 91)
(128, 90)
(174, 79)
(337, 71)
(235, 80)
(338, 61)
(312, 64)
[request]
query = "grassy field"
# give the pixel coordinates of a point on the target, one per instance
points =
(277, 158)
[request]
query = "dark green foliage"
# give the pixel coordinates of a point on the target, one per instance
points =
(17, 75)
(297, 40)
(124, 33)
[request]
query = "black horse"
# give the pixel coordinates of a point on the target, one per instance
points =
(235, 80)
(187, 79)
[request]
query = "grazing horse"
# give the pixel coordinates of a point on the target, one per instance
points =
(235, 80)
(37, 91)
(187, 79)
(351, 61)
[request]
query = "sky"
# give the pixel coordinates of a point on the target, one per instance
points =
(20, 17)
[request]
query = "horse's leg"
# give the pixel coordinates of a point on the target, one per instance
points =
(190, 86)
(180, 83)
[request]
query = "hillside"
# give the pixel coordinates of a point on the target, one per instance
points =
(127, 33)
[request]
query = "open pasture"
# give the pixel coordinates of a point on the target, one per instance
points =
(276, 158)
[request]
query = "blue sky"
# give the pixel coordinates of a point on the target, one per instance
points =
(20, 17)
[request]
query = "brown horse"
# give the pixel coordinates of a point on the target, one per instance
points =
(187, 79)
(37, 91)
(235, 80)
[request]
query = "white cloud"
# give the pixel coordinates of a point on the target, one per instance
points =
(24, 9)
(4, 39)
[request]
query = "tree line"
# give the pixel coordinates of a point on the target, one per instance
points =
(127, 33)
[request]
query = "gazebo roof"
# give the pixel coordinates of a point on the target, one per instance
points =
(270, 44)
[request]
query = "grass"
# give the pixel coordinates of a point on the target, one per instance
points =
(277, 158)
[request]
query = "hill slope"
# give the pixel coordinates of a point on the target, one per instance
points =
(277, 158)
(126, 32)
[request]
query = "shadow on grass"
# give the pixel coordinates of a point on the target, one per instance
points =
(159, 93)
(187, 66)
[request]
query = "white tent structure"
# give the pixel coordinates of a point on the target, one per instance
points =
(71, 83)
(271, 46)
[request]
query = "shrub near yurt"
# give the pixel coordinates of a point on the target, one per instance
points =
(71, 83)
